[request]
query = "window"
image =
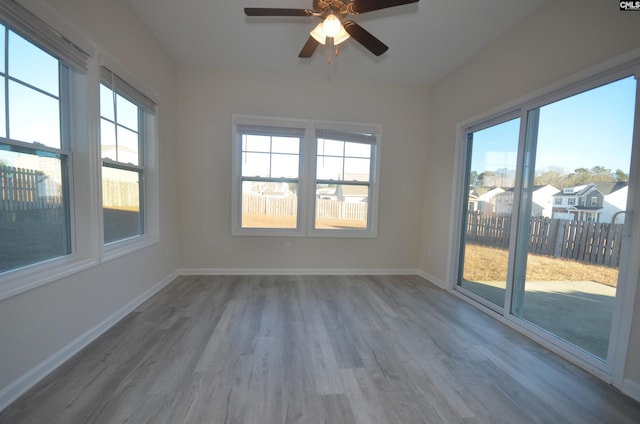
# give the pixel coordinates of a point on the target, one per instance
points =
(594, 201)
(343, 179)
(35, 156)
(270, 168)
(302, 177)
(49, 221)
(557, 201)
(571, 201)
(123, 112)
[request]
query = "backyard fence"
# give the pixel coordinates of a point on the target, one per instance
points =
(253, 204)
(334, 209)
(27, 189)
(121, 195)
(591, 242)
(24, 189)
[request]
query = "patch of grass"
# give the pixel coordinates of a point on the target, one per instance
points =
(266, 221)
(490, 264)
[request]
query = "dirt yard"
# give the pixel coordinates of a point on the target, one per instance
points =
(490, 264)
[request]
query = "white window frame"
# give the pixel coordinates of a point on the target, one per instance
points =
(306, 178)
(236, 184)
(371, 231)
(148, 164)
(74, 134)
(621, 67)
(81, 113)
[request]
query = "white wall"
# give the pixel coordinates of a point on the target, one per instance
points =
(558, 40)
(38, 324)
(208, 99)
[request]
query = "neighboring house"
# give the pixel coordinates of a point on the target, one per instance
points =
(486, 199)
(615, 201)
(352, 193)
(589, 202)
(344, 193)
(473, 202)
(272, 189)
(541, 198)
(347, 192)
(503, 202)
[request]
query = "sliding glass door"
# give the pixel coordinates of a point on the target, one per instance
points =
(568, 255)
(491, 172)
(547, 205)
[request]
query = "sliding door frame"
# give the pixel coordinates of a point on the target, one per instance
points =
(611, 370)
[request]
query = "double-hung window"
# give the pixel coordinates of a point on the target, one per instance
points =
(123, 114)
(270, 171)
(304, 177)
(36, 161)
(343, 179)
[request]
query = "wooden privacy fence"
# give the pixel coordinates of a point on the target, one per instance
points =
(27, 189)
(123, 195)
(24, 189)
(334, 209)
(253, 204)
(591, 242)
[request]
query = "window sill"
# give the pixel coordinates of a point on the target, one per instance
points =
(272, 232)
(125, 247)
(354, 234)
(12, 283)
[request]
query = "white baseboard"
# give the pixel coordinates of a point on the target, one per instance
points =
(297, 271)
(631, 389)
(433, 280)
(19, 386)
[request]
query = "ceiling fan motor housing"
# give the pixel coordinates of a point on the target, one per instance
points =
(340, 9)
(326, 7)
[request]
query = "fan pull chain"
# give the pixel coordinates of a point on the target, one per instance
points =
(336, 52)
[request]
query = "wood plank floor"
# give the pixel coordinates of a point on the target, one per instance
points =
(315, 349)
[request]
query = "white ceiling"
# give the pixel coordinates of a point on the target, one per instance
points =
(426, 40)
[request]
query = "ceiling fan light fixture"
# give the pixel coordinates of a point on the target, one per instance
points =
(331, 25)
(318, 34)
(341, 36)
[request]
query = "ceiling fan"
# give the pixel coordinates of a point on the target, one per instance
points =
(332, 13)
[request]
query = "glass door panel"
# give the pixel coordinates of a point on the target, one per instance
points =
(491, 169)
(573, 204)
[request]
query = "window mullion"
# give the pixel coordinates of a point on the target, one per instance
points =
(115, 117)
(6, 82)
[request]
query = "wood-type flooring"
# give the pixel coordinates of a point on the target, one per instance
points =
(315, 349)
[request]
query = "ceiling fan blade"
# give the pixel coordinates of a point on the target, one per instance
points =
(309, 47)
(363, 6)
(270, 11)
(365, 38)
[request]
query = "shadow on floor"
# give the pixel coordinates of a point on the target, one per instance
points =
(579, 312)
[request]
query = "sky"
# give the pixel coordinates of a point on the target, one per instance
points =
(589, 129)
(31, 65)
